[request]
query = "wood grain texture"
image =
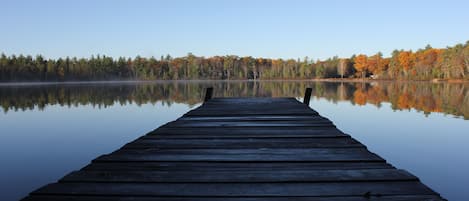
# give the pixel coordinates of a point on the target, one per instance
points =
(217, 132)
(232, 166)
(262, 154)
(246, 176)
(239, 143)
(238, 189)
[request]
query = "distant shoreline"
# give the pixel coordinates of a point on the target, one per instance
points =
(390, 80)
(351, 80)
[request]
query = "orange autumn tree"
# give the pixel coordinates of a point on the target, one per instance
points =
(377, 64)
(361, 64)
(425, 61)
(372, 64)
(383, 66)
(406, 60)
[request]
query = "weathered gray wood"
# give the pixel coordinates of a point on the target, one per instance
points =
(302, 109)
(238, 189)
(232, 166)
(146, 198)
(243, 143)
(215, 136)
(246, 176)
(249, 132)
(234, 136)
(202, 124)
(253, 100)
(256, 112)
(247, 108)
(265, 154)
(252, 118)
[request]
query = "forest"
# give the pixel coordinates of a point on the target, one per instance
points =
(424, 64)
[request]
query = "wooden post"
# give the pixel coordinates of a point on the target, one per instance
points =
(307, 96)
(208, 94)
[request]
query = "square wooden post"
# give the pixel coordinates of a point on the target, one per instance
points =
(307, 96)
(208, 94)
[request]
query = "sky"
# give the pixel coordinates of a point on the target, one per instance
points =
(259, 28)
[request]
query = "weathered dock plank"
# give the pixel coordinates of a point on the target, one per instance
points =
(305, 198)
(300, 123)
(245, 176)
(263, 154)
(241, 149)
(238, 189)
(242, 143)
(234, 166)
(245, 132)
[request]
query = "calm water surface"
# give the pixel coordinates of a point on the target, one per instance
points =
(47, 131)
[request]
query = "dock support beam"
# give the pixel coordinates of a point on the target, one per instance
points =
(307, 96)
(208, 94)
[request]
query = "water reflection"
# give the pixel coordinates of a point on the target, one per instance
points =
(448, 98)
(59, 140)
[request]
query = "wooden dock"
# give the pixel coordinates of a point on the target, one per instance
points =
(241, 149)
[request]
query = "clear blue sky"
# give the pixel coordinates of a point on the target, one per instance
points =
(275, 29)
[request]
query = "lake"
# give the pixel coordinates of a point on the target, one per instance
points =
(48, 130)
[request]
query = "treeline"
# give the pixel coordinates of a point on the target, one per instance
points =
(423, 64)
(426, 97)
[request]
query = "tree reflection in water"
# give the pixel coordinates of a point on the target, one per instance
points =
(448, 98)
